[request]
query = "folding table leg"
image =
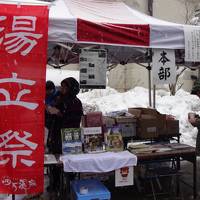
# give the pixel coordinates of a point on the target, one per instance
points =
(153, 191)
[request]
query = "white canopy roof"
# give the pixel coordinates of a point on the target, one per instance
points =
(64, 15)
(110, 23)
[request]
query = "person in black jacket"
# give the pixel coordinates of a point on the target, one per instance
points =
(67, 113)
(70, 105)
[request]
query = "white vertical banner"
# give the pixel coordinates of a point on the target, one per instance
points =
(124, 176)
(93, 65)
(192, 43)
(164, 67)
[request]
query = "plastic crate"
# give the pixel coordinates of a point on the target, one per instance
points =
(96, 190)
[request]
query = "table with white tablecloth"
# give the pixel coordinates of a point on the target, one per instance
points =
(98, 162)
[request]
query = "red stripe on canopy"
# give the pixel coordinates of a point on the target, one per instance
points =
(108, 33)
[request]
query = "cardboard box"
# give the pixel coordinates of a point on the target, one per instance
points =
(135, 111)
(127, 125)
(147, 128)
(109, 121)
(125, 119)
(147, 116)
(128, 129)
(172, 127)
(149, 111)
(142, 111)
(150, 122)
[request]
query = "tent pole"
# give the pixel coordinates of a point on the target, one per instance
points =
(150, 9)
(154, 96)
(149, 74)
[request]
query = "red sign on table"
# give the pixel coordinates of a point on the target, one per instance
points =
(23, 49)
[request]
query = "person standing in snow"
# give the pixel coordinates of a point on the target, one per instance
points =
(195, 119)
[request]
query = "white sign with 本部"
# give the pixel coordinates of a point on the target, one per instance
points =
(93, 65)
(124, 176)
(164, 68)
(192, 43)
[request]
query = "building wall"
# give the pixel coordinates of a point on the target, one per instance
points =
(126, 77)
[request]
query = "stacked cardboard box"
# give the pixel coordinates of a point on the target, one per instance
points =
(127, 124)
(172, 127)
(150, 122)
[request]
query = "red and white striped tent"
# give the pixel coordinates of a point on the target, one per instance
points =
(111, 23)
(108, 22)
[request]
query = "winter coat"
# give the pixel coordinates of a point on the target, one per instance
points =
(71, 110)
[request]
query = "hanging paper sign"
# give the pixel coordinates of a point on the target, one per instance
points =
(23, 47)
(192, 43)
(164, 68)
(93, 65)
(124, 176)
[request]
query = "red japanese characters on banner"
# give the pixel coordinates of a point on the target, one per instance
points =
(23, 49)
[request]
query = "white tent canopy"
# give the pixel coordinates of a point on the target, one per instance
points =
(109, 23)
(65, 26)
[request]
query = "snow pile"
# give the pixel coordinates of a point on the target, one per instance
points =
(179, 105)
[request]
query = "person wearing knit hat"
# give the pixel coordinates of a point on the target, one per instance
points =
(70, 105)
(68, 112)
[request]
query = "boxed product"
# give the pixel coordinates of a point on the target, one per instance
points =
(128, 129)
(89, 189)
(71, 140)
(114, 141)
(93, 139)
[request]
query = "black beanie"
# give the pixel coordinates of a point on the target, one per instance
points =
(73, 85)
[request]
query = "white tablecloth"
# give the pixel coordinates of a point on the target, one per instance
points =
(98, 162)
